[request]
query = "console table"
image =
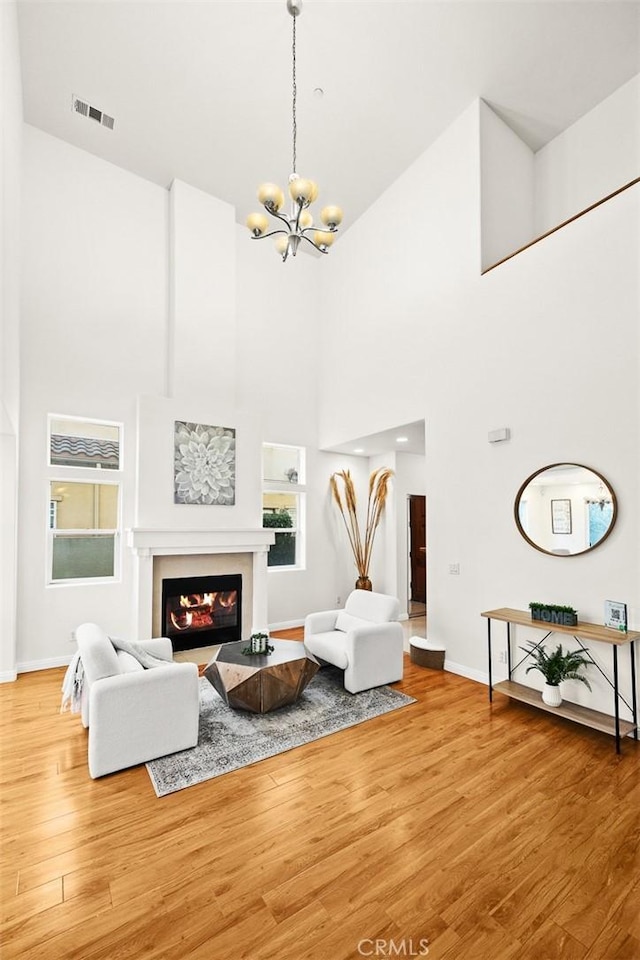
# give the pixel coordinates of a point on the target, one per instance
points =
(571, 711)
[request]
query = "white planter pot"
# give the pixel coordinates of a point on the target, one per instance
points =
(551, 695)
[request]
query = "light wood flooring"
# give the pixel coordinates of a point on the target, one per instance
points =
(493, 833)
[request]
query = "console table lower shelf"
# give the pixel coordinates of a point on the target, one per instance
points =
(570, 711)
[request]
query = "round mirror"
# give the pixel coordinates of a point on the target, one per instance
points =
(565, 509)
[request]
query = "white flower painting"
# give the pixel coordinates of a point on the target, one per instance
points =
(204, 464)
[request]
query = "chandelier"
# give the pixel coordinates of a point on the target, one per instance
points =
(298, 224)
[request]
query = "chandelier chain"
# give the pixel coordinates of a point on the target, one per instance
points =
(295, 96)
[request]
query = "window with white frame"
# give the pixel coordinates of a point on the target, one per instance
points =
(283, 503)
(84, 534)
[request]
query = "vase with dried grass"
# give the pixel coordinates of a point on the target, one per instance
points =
(344, 494)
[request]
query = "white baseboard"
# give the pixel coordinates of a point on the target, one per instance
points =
(29, 666)
(286, 625)
(467, 672)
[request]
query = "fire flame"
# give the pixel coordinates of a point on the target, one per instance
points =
(197, 600)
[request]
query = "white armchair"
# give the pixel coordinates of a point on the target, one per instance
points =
(134, 715)
(365, 640)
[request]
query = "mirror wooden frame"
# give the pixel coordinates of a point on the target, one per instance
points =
(577, 553)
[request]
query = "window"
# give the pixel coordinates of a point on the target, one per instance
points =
(283, 503)
(84, 443)
(83, 517)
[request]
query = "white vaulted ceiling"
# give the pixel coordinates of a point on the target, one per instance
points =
(201, 91)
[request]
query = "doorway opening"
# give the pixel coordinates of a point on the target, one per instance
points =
(417, 565)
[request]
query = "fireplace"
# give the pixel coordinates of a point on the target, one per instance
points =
(200, 611)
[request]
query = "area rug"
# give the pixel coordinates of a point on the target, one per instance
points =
(229, 739)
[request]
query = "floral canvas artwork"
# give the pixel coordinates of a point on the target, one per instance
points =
(204, 464)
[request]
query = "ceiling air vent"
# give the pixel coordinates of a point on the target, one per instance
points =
(86, 110)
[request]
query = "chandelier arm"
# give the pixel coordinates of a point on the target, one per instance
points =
(322, 229)
(302, 237)
(281, 217)
(272, 233)
(297, 226)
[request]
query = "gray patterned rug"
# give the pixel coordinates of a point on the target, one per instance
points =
(230, 739)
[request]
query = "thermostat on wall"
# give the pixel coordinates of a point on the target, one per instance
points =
(502, 434)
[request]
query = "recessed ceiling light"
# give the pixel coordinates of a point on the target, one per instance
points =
(358, 450)
(402, 439)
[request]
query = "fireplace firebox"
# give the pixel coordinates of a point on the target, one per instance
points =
(200, 611)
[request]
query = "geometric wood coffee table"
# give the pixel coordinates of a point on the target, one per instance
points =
(261, 682)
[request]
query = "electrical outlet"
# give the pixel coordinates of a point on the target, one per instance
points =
(454, 569)
(338, 601)
(502, 657)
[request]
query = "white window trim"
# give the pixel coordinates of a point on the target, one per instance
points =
(299, 490)
(97, 469)
(93, 477)
(299, 528)
(302, 473)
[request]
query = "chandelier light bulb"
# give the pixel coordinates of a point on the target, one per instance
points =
(271, 196)
(257, 223)
(323, 239)
(303, 191)
(331, 217)
(298, 224)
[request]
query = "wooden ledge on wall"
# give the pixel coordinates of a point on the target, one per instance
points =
(576, 216)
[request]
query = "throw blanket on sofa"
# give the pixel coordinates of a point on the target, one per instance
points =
(73, 682)
(147, 660)
(72, 686)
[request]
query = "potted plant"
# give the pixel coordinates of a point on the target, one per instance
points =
(556, 667)
(361, 546)
(258, 643)
(554, 613)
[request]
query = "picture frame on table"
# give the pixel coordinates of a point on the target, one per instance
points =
(561, 516)
(615, 615)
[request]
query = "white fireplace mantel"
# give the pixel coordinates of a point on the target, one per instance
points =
(146, 543)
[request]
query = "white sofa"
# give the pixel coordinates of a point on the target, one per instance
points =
(365, 639)
(134, 715)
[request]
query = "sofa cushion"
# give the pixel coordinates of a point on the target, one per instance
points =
(376, 607)
(345, 622)
(329, 646)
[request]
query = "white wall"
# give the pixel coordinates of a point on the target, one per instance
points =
(598, 154)
(94, 322)
(114, 293)
(523, 195)
(387, 333)
(400, 295)
(201, 354)
(507, 188)
(426, 327)
(281, 328)
(10, 191)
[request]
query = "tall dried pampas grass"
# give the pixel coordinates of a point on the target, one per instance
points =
(344, 494)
